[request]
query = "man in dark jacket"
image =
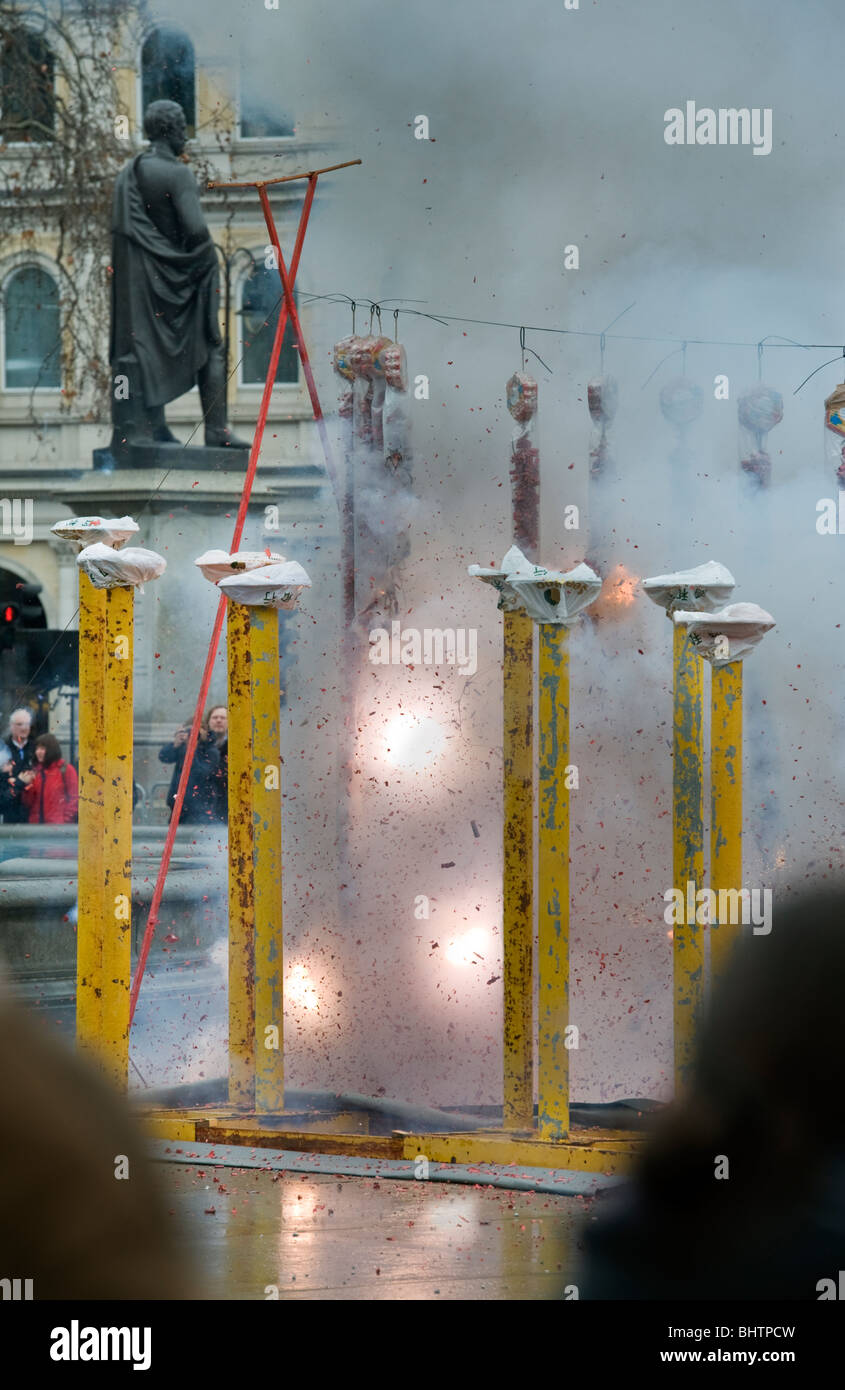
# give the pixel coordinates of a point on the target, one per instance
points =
(21, 746)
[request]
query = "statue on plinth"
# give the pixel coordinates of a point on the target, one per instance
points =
(165, 331)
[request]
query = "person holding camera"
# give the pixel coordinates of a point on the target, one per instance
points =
(202, 793)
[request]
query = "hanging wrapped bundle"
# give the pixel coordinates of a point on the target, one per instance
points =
(834, 435)
(758, 411)
(522, 396)
(342, 362)
(681, 402)
(395, 366)
(368, 359)
(342, 358)
(384, 501)
(602, 402)
(396, 422)
(361, 362)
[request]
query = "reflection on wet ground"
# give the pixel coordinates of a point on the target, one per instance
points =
(320, 1237)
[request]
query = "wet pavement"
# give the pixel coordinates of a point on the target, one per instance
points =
(259, 1235)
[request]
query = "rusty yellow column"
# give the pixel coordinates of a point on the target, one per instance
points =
(725, 802)
(267, 818)
(518, 872)
(241, 876)
(117, 842)
(92, 761)
(553, 880)
(687, 845)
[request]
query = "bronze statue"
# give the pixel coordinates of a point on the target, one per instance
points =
(165, 334)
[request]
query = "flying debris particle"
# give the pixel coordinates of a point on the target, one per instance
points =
(475, 830)
(450, 865)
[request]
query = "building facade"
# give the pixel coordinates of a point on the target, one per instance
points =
(50, 425)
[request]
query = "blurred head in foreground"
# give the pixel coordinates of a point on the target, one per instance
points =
(741, 1192)
(67, 1220)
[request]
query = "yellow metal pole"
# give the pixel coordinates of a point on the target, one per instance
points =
(92, 761)
(725, 802)
(267, 816)
(553, 875)
(518, 872)
(687, 847)
(241, 875)
(117, 843)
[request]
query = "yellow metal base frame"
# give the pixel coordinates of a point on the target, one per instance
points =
(584, 1150)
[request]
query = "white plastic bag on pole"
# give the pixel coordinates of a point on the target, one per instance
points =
(727, 635)
(86, 530)
(218, 564)
(514, 562)
(114, 569)
(552, 596)
(700, 590)
(271, 586)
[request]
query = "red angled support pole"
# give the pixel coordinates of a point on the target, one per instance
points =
(288, 310)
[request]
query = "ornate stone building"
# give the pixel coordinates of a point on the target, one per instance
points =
(49, 428)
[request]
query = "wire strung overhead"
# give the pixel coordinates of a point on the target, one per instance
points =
(772, 340)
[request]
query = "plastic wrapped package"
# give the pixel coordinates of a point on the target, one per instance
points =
(218, 564)
(366, 355)
(395, 366)
(547, 595)
(522, 396)
(362, 412)
(602, 403)
(270, 586)
(727, 635)
(396, 431)
(551, 596)
(758, 411)
(377, 414)
(108, 568)
(514, 562)
(84, 530)
(681, 402)
(700, 589)
(342, 355)
(834, 434)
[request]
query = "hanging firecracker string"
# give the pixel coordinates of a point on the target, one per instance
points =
(525, 464)
(396, 424)
(378, 472)
(602, 403)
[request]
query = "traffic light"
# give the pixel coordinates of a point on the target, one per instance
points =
(32, 614)
(10, 617)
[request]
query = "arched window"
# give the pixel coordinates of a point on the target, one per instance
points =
(168, 72)
(27, 87)
(31, 331)
(261, 301)
(261, 118)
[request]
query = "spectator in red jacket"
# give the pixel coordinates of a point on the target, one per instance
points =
(51, 793)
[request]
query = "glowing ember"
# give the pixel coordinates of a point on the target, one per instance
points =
(300, 990)
(617, 595)
(413, 743)
(468, 949)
